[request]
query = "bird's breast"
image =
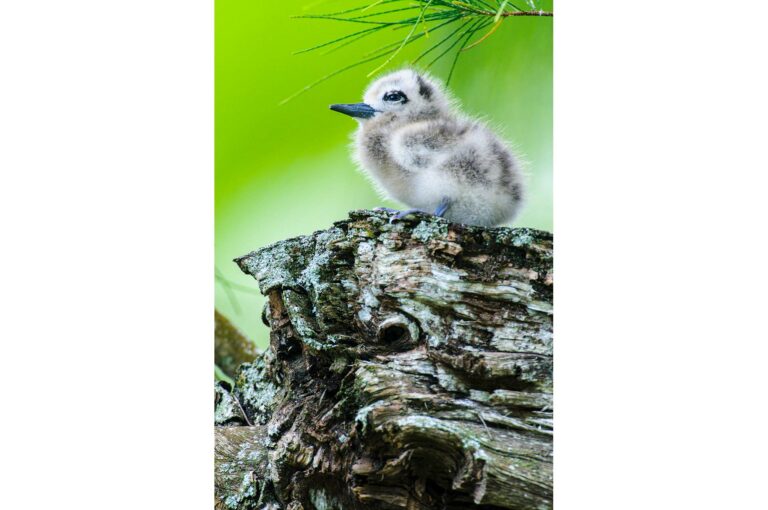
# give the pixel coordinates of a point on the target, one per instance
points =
(376, 156)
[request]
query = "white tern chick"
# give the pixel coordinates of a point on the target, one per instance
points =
(424, 153)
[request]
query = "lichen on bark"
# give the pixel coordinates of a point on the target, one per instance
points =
(409, 366)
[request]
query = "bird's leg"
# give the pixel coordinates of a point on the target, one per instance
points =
(402, 214)
(397, 214)
(443, 206)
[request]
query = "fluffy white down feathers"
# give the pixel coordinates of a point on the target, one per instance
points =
(422, 151)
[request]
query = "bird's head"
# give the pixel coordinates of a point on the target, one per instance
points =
(404, 94)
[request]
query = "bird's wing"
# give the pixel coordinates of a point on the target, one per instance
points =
(423, 144)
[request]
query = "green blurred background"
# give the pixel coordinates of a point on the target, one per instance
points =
(283, 171)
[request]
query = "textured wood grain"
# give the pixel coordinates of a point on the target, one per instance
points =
(410, 366)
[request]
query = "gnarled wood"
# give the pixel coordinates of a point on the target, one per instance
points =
(410, 366)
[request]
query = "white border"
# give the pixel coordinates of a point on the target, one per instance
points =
(106, 203)
(660, 176)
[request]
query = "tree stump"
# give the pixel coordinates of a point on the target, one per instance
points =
(409, 367)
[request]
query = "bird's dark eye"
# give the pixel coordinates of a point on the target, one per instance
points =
(395, 96)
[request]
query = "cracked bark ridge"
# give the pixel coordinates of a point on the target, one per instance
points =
(409, 367)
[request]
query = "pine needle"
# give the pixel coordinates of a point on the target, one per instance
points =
(374, 4)
(486, 36)
(409, 8)
(433, 15)
(445, 39)
(458, 53)
(331, 75)
(356, 9)
(457, 41)
(349, 20)
(403, 44)
(323, 45)
(501, 9)
(416, 37)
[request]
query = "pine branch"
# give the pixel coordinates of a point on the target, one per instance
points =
(433, 15)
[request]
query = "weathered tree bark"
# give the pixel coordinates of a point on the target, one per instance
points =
(410, 366)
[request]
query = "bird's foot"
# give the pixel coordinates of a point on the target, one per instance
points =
(399, 215)
(443, 206)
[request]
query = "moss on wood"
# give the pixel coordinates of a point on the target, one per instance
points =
(409, 366)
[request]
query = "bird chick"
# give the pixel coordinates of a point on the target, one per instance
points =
(421, 151)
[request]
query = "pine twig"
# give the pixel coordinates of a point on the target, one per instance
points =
(433, 15)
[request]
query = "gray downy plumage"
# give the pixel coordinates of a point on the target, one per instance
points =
(419, 149)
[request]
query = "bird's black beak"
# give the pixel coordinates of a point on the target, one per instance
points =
(357, 110)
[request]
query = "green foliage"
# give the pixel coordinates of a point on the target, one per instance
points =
(423, 19)
(219, 375)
